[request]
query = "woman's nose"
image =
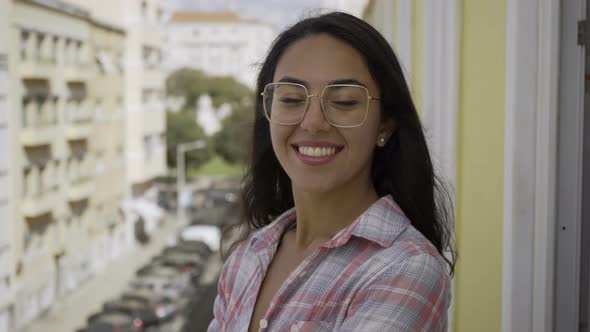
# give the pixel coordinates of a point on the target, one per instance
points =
(314, 119)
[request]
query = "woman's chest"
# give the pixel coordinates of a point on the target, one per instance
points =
(297, 293)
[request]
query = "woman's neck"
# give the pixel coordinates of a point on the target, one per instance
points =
(320, 216)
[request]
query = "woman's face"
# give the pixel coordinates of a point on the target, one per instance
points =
(317, 61)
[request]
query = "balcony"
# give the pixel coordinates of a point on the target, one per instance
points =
(37, 136)
(31, 68)
(39, 204)
(39, 115)
(80, 189)
(77, 72)
(78, 130)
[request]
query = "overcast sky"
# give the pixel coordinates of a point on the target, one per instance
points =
(279, 13)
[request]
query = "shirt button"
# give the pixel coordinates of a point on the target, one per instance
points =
(263, 324)
(295, 328)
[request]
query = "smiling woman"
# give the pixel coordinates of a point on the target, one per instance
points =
(349, 223)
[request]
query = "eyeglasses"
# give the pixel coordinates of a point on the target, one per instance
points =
(343, 105)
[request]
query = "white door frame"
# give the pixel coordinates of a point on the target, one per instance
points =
(530, 151)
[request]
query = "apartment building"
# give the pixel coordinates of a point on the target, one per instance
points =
(218, 43)
(6, 270)
(66, 77)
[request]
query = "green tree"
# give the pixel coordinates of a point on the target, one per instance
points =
(182, 128)
(192, 83)
(232, 142)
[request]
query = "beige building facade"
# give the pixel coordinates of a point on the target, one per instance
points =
(6, 240)
(143, 87)
(108, 233)
(64, 137)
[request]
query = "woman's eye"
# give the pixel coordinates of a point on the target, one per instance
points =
(291, 100)
(348, 103)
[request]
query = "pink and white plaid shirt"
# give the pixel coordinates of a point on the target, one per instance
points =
(377, 274)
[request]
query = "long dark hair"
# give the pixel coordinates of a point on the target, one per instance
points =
(402, 168)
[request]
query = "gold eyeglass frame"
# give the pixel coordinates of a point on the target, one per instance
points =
(320, 95)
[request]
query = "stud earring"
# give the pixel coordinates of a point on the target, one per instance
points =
(381, 142)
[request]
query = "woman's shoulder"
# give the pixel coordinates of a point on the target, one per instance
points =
(410, 250)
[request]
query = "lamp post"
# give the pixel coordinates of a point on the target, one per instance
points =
(181, 149)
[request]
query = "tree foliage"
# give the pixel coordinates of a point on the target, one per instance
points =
(181, 127)
(192, 83)
(232, 142)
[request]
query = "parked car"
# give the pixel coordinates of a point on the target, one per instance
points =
(194, 236)
(199, 248)
(164, 307)
(169, 273)
(160, 285)
(143, 314)
(107, 321)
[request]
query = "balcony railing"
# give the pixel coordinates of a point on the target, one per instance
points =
(80, 188)
(39, 203)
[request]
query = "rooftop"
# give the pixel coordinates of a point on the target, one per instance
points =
(227, 16)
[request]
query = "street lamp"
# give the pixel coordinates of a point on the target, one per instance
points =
(181, 149)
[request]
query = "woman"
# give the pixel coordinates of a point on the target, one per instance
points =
(349, 232)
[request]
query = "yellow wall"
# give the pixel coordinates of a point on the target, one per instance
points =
(480, 167)
(417, 57)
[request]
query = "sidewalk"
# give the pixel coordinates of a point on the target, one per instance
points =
(70, 313)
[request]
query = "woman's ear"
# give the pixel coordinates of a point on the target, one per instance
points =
(386, 130)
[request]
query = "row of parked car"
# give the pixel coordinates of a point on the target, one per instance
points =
(166, 291)
(156, 300)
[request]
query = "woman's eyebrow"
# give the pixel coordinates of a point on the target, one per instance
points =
(289, 79)
(347, 81)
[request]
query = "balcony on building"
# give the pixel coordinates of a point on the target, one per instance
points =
(40, 190)
(39, 113)
(38, 54)
(80, 188)
(79, 117)
(77, 67)
(80, 184)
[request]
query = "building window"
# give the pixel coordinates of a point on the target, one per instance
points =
(144, 9)
(27, 181)
(67, 52)
(39, 54)
(160, 15)
(78, 52)
(54, 49)
(24, 42)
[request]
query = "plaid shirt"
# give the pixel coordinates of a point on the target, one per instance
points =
(377, 274)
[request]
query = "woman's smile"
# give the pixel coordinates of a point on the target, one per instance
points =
(316, 152)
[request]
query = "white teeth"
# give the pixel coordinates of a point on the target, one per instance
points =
(317, 151)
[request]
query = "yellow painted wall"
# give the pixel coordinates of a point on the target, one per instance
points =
(417, 57)
(480, 166)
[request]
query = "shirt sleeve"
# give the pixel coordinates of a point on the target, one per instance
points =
(411, 297)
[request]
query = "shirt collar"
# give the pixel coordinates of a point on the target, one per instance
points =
(381, 223)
